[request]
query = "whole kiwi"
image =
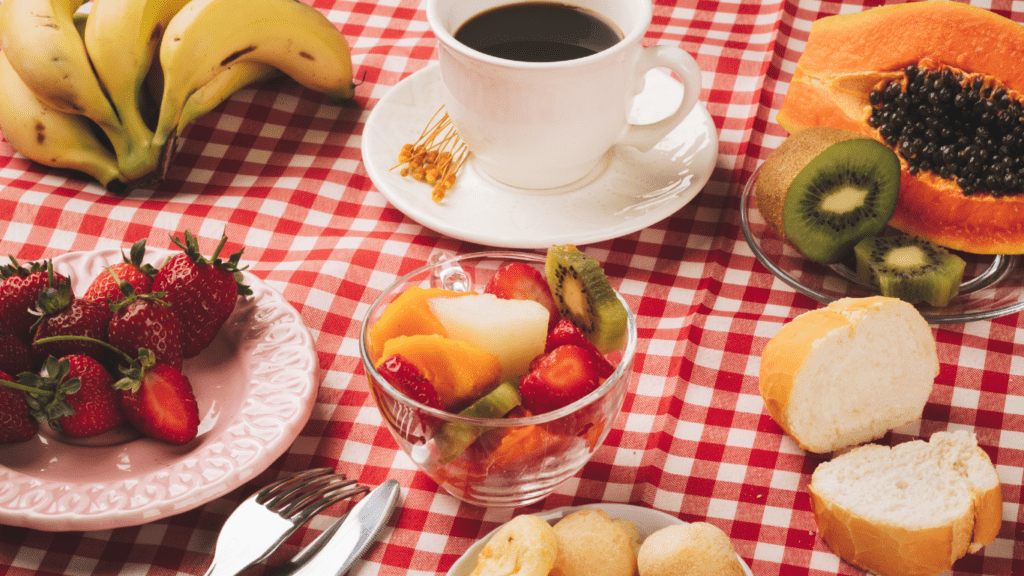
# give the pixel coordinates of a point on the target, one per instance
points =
(821, 193)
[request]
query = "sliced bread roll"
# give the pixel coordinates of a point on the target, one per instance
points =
(911, 510)
(850, 372)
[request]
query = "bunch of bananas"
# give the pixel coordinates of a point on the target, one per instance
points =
(73, 81)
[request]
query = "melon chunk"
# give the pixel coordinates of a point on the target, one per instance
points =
(512, 330)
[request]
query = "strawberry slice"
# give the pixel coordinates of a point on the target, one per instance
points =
(408, 379)
(520, 281)
(559, 378)
(158, 400)
(565, 332)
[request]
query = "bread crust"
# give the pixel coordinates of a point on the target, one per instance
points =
(894, 550)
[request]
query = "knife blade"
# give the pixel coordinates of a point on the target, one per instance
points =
(336, 548)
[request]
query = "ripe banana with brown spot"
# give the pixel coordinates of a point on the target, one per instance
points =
(228, 81)
(50, 136)
(207, 36)
(43, 46)
(122, 37)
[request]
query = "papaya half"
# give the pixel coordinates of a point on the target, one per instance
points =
(941, 83)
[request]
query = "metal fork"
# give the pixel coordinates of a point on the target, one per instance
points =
(267, 518)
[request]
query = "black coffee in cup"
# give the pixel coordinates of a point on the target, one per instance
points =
(538, 32)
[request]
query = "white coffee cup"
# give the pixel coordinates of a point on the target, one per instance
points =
(547, 125)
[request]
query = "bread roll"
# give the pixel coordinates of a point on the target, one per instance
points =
(848, 373)
(698, 549)
(524, 546)
(911, 510)
(590, 543)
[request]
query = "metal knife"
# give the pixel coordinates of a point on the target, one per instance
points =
(336, 548)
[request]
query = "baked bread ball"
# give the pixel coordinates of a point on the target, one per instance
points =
(524, 546)
(848, 373)
(698, 549)
(590, 543)
(909, 510)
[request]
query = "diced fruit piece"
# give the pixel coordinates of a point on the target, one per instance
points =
(565, 332)
(520, 281)
(458, 371)
(454, 437)
(585, 296)
(560, 378)
(158, 400)
(407, 315)
(520, 446)
(408, 380)
(910, 268)
(512, 330)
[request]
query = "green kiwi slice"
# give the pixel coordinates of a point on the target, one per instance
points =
(584, 296)
(910, 268)
(843, 195)
(453, 438)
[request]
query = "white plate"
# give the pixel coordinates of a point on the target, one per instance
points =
(634, 191)
(647, 521)
(256, 385)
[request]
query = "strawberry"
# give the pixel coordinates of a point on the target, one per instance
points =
(408, 380)
(158, 400)
(64, 315)
(146, 321)
(520, 281)
(16, 421)
(14, 354)
(565, 332)
(19, 293)
(74, 395)
(559, 378)
(106, 286)
(203, 291)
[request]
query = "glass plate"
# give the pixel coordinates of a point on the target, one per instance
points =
(993, 285)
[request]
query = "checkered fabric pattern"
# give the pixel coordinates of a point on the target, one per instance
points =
(279, 168)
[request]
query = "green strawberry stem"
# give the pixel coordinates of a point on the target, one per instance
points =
(190, 245)
(65, 338)
(133, 369)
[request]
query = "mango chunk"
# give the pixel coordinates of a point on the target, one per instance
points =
(459, 372)
(407, 315)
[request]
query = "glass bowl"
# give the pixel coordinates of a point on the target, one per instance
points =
(514, 461)
(993, 285)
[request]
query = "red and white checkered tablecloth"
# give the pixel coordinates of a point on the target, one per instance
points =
(281, 169)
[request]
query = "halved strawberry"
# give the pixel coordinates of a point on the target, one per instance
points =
(16, 421)
(106, 286)
(408, 379)
(158, 400)
(565, 332)
(520, 281)
(559, 378)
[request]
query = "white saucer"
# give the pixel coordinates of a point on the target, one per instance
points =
(646, 520)
(636, 189)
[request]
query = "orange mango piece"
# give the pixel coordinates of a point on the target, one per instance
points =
(407, 315)
(460, 372)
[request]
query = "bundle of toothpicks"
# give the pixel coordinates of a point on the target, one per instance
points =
(436, 156)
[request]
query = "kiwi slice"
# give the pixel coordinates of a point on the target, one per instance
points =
(825, 189)
(584, 296)
(910, 268)
(454, 437)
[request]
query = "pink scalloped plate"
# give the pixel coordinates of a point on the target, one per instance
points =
(256, 385)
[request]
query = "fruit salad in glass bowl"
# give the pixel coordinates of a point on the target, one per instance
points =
(500, 373)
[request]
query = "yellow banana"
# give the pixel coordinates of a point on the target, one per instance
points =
(43, 46)
(121, 38)
(49, 136)
(207, 36)
(228, 81)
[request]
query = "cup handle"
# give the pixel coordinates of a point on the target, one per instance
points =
(643, 137)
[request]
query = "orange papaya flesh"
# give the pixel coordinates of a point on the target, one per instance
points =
(848, 57)
(407, 315)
